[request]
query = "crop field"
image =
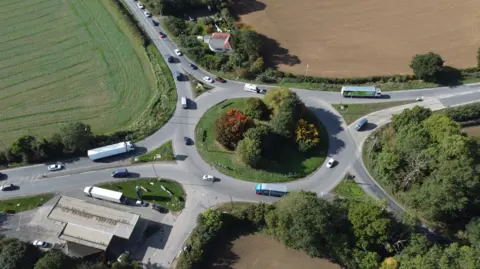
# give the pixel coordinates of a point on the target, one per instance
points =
(68, 60)
(345, 38)
(259, 251)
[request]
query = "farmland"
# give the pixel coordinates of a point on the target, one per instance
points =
(64, 61)
(258, 251)
(345, 38)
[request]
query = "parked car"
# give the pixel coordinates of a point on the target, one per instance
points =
(162, 35)
(159, 208)
(120, 172)
(208, 178)
(140, 5)
(178, 52)
(147, 14)
(219, 79)
(141, 203)
(360, 124)
(39, 243)
(55, 167)
(123, 257)
(169, 58)
(208, 79)
(194, 67)
(8, 187)
(330, 163)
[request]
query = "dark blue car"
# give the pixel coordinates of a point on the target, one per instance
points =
(194, 67)
(154, 23)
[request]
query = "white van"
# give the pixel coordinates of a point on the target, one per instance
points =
(184, 102)
(250, 88)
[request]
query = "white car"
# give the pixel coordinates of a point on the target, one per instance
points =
(141, 203)
(208, 178)
(55, 167)
(178, 52)
(39, 243)
(139, 5)
(208, 79)
(330, 162)
(147, 14)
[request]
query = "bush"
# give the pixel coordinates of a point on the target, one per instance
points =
(230, 127)
(464, 113)
(264, 134)
(249, 151)
(256, 109)
(307, 135)
(427, 67)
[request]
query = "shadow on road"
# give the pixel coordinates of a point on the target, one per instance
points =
(180, 157)
(368, 127)
(333, 123)
(192, 105)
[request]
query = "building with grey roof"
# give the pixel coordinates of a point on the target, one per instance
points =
(91, 225)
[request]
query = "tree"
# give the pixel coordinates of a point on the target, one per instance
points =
(473, 233)
(211, 219)
(249, 151)
(88, 265)
(389, 263)
(256, 109)
(230, 128)
(410, 116)
(307, 135)
(440, 126)
(76, 137)
(478, 57)
(175, 25)
(274, 98)
(24, 148)
(366, 259)
(55, 259)
(427, 66)
(264, 134)
(283, 123)
(257, 66)
(17, 254)
(371, 224)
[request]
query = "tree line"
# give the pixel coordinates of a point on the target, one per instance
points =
(255, 133)
(73, 139)
(355, 235)
(15, 254)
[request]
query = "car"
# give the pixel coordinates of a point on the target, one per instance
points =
(162, 35)
(178, 52)
(8, 187)
(159, 208)
(140, 5)
(360, 124)
(330, 163)
(55, 167)
(187, 140)
(141, 203)
(154, 23)
(3, 176)
(208, 178)
(120, 172)
(39, 243)
(123, 257)
(194, 67)
(169, 58)
(208, 79)
(147, 14)
(219, 79)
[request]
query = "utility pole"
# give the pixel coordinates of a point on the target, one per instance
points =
(306, 72)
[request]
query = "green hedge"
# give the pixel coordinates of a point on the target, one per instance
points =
(465, 113)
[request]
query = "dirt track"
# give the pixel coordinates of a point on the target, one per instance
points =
(359, 38)
(263, 252)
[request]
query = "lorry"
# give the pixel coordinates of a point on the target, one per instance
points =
(104, 194)
(357, 91)
(110, 150)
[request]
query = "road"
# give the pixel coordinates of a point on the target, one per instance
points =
(345, 146)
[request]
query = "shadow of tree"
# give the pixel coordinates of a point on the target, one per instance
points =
(274, 54)
(333, 124)
(243, 7)
(450, 76)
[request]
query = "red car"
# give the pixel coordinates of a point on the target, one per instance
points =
(219, 79)
(162, 35)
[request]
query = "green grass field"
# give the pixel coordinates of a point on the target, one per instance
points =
(349, 189)
(155, 193)
(165, 151)
(69, 60)
(24, 203)
(353, 112)
(289, 164)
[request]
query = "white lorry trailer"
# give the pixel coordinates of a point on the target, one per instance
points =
(104, 194)
(110, 150)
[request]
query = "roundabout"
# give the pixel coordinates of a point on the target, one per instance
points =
(344, 145)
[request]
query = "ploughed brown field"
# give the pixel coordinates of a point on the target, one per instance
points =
(345, 38)
(259, 251)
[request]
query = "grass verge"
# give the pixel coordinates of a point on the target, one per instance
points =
(24, 203)
(349, 189)
(288, 165)
(154, 194)
(230, 206)
(198, 87)
(162, 153)
(352, 112)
